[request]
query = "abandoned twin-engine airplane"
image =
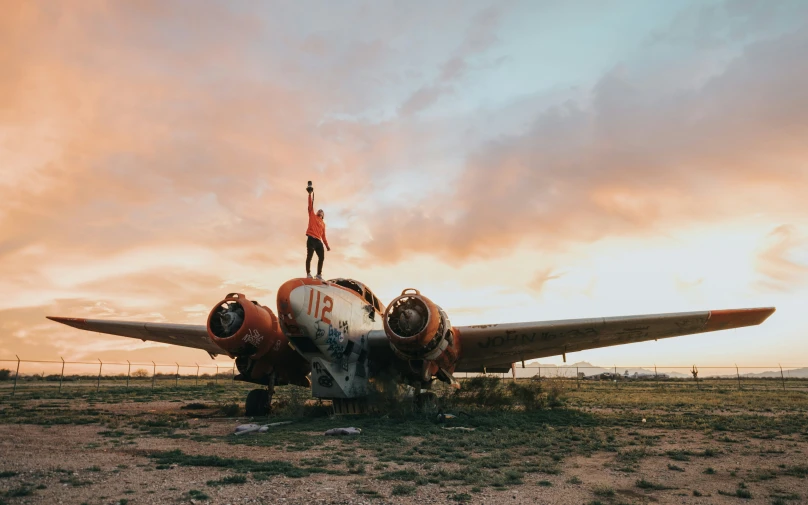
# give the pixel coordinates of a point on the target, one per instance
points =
(338, 332)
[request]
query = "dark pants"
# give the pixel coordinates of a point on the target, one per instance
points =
(314, 245)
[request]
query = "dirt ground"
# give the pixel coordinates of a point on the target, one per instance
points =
(122, 450)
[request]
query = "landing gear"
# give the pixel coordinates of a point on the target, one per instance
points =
(258, 401)
(426, 401)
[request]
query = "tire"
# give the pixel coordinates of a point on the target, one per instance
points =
(427, 401)
(257, 404)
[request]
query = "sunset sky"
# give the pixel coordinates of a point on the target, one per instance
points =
(515, 161)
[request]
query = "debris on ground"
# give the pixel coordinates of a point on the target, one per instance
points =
(243, 429)
(460, 428)
(344, 431)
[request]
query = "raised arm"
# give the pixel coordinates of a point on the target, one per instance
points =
(311, 203)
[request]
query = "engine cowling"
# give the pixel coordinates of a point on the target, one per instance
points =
(250, 333)
(419, 330)
(242, 327)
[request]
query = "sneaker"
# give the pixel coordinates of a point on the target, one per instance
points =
(308, 276)
(318, 277)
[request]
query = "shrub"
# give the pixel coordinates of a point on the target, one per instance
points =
(529, 394)
(556, 392)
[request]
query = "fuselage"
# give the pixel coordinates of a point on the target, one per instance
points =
(328, 324)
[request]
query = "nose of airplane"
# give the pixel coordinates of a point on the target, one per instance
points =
(290, 302)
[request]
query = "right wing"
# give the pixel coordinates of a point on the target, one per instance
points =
(184, 335)
(493, 347)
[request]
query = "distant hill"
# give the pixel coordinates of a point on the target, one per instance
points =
(795, 373)
(587, 369)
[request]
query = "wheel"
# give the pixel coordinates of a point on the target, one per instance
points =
(426, 401)
(258, 403)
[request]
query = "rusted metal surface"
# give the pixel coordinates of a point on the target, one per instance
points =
(419, 331)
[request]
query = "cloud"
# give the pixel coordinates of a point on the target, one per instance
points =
(479, 38)
(777, 259)
(629, 161)
(542, 277)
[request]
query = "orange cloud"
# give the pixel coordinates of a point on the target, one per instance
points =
(629, 162)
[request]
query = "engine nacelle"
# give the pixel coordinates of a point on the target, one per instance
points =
(419, 330)
(251, 334)
(242, 327)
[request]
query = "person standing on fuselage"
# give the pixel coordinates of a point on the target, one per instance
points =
(315, 237)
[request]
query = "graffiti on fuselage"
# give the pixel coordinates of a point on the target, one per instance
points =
(334, 342)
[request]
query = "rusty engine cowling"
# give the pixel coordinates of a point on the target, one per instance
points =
(420, 332)
(250, 333)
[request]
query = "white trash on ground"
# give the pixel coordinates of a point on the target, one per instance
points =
(243, 429)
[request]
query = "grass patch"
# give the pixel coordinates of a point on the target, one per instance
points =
(675, 468)
(227, 481)
(19, 491)
(739, 493)
(405, 475)
(644, 484)
(603, 491)
(196, 494)
(460, 497)
(800, 471)
(403, 490)
(177, 457)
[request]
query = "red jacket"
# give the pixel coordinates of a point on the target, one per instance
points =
(316, 227)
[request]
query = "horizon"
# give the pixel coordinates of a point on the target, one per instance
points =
(517, 161)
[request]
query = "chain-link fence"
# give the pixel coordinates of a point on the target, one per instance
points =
(65, 376)
(648, 377)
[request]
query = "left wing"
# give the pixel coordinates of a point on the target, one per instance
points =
(185, 335)
(495, 346)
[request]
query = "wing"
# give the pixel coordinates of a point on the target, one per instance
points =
(495, 346)
(185, 335)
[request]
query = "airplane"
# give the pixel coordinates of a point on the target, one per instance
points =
(336, 336)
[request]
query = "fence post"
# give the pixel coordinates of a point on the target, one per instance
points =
(128, 372)
(233, 372)
(616, 384)
(62, 376)
(177, 379)
(782, 378)
(577, 378)
(216, 378)
(16, 375)
(197, 374)
(98, 384)
(656, 377)
(154, 373)
(739, 376)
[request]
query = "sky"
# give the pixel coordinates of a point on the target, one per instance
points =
(514, 161)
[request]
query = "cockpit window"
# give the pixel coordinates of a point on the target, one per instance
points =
(347, 283)
(377, 304)
(369, 296)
